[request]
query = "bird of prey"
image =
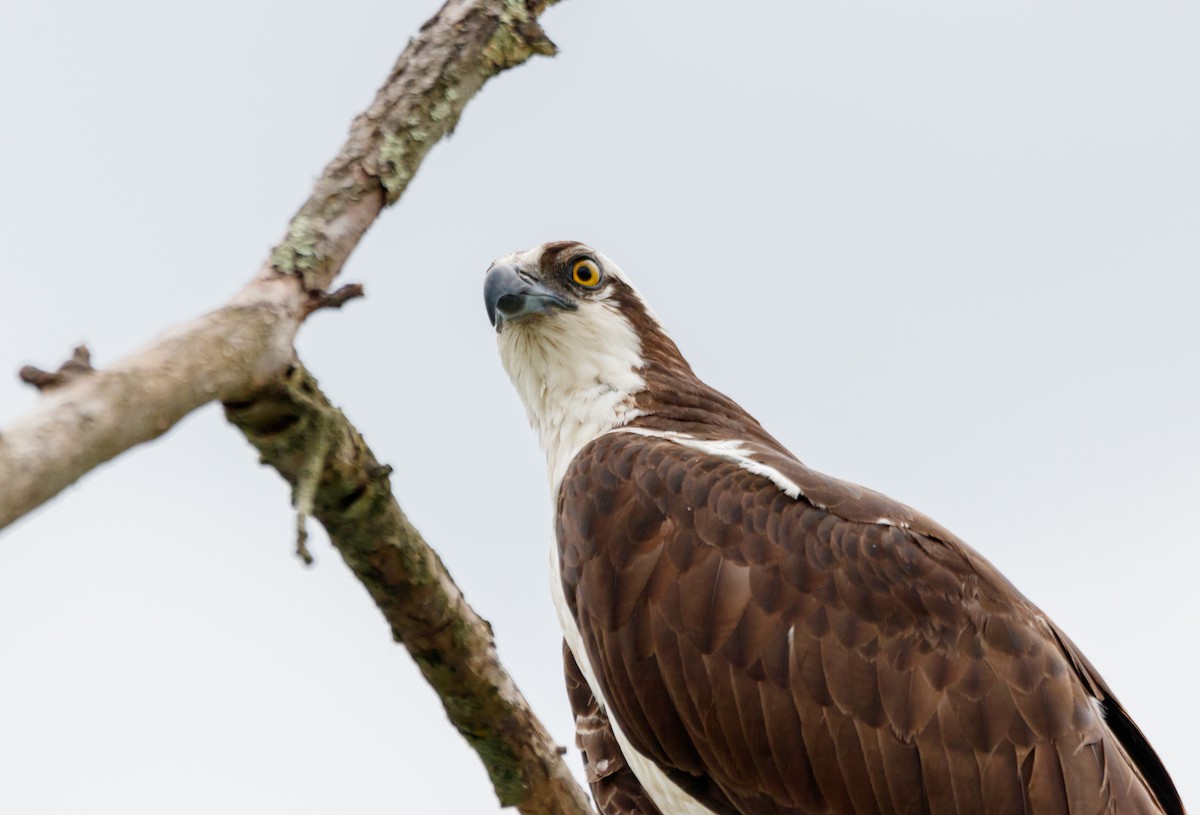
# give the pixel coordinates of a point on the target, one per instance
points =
(746, 636)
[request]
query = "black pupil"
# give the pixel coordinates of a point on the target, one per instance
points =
(584, 274)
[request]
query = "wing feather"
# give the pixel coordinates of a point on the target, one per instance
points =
(835, 652)
(615, 788)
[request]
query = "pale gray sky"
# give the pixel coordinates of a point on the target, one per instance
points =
(949, 250)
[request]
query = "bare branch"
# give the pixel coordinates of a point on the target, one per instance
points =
(90, 419)
(242, 355)
(335, 299)
(451, 644)
(466, 43)
(86, 421)
(79, 364)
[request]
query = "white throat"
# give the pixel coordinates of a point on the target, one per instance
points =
(576, 372)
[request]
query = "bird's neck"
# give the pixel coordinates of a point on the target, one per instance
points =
(676, 401)
(572, 391)
(581, 374)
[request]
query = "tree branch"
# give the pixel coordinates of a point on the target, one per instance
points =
(242, 355)
(222, 356)
(79, 364)
(451, 644)
(88, 420)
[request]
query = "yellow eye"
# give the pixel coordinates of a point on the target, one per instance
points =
(586, 273)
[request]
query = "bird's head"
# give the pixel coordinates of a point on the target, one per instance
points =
(576, 339)
(587, 355)
(526, 288)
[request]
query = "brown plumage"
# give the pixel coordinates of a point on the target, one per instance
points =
(777, 641)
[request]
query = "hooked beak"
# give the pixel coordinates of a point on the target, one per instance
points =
(509, 296)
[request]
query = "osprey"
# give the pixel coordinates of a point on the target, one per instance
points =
(745, 636)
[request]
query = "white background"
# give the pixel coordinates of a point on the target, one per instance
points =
(948, 250)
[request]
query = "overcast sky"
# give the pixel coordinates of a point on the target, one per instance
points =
(948, 250)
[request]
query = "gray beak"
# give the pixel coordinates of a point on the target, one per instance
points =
(508, 296)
